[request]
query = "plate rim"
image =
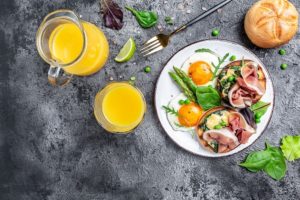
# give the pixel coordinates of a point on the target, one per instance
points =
(204, 40)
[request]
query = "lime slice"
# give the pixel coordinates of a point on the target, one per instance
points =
(127, 51)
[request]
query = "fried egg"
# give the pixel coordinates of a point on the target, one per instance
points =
(200, 69)
(187, 116)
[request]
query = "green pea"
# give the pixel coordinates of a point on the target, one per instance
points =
(217, 127)
(132, 78)
(223, 123)
(231, 79)
(215, 32)
(283, 66)
(187, 101)
(257, 121)
(181, 102)
(147, 69)
(258, 115)
(232, 58)
(282, 52)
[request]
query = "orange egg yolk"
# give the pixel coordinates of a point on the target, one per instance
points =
(189, 115)
(200, 72)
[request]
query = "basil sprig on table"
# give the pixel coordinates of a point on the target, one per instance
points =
(272, 159)
(146, 19)
(206, 96)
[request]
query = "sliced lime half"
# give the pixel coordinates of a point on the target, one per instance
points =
(127, 51)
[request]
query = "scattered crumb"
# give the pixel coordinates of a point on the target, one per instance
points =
(120, 76)
(80, 16)
(203, 8)
(111, 78)
(165, 2)
(188, 11)
(180, 6)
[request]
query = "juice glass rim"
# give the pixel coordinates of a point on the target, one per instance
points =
(144, 112)
(46, 21)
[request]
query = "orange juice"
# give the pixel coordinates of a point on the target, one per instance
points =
(66, 43)
(119, 107)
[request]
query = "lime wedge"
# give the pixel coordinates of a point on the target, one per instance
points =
(127, 51)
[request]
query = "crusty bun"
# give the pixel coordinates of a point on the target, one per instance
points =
(271, 23)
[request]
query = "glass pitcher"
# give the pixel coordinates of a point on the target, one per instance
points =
(71, 46)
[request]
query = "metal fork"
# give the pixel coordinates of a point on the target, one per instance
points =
(160, 41)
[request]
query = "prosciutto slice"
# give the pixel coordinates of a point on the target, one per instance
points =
(250, 78)
(239, 97)
(225, 138)
(240, 127)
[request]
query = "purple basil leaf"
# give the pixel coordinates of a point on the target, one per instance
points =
(112, 14)
(249, 116)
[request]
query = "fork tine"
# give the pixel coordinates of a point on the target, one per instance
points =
(150, 40)
(153, 51)
(150, 48)
(147, 46)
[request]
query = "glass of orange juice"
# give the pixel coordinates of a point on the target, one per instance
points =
(119, 107)
(71, 46)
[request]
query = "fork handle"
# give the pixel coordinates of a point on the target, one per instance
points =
(201, 16)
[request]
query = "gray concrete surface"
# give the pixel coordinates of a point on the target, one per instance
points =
(52, 148)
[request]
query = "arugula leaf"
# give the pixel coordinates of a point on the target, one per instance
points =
(146, 19)
(270, 160)
(276, 168)
(170, 110)
(290, 146)
(217, 67)
(205, 50)
(208, 97)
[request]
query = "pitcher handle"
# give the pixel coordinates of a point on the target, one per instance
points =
(58, 77)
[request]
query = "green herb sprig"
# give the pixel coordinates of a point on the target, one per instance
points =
(272, 159)
(170, 110)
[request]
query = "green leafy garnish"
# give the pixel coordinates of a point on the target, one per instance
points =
(290, 146)
(205, 50)
(146, 19)
(208, 97)
(217, 67)
(169, 20)
(170, 110)
(270, 160)
(259, 109)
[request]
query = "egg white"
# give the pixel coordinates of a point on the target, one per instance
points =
(202, 56)
(173, 119)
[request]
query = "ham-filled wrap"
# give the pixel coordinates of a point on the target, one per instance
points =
(242, 83)
(222, 129)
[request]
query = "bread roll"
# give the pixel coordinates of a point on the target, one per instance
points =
(271, 23)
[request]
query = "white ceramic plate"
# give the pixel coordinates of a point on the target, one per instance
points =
(166, 90)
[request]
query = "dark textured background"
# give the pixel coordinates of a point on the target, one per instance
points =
(52, 148)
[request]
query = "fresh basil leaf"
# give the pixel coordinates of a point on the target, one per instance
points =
(276, 168)
(270, 160)
(290, 146)
(208, 97)
(146, 19)
(260, 108)
(256, 161)
(112, 14)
